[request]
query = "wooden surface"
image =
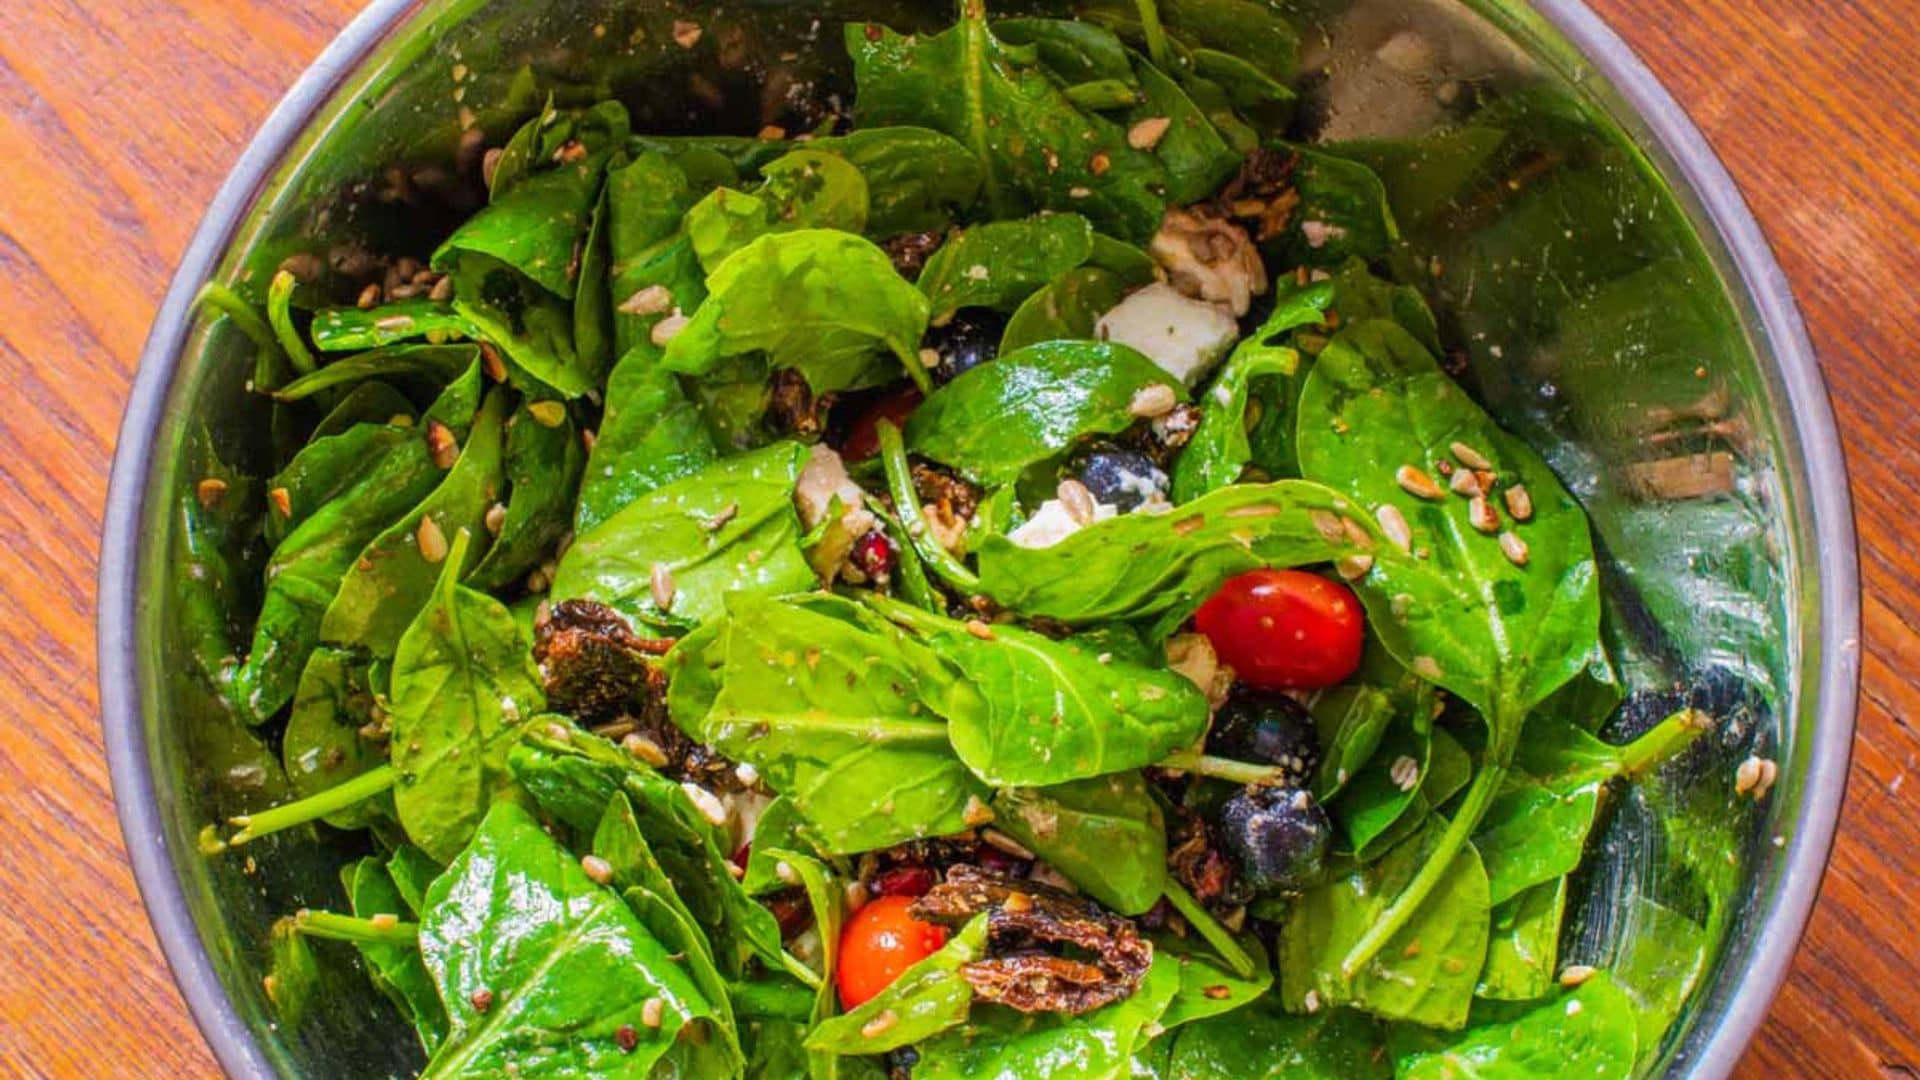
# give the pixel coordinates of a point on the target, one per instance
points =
(118, 118)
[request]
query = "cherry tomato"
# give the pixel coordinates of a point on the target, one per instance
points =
(882, 940)
(1284, 629)
(862, 440)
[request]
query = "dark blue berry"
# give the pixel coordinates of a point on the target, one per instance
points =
(1268, 728)
(971, 339)
(1276, 838)
(1120, 478)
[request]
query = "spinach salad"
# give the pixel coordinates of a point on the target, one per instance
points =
(1001, 585)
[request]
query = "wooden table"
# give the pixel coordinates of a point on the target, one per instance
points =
(118, 118)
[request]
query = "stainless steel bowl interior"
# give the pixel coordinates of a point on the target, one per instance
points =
(1612, 298)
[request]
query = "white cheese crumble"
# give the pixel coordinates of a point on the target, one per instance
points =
(1184, 336)
(1053, 523)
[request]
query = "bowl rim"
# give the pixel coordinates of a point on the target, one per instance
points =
(1784, 913)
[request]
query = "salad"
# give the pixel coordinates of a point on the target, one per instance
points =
(1003, 584)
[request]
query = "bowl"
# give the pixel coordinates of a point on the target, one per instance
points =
(1614, 301)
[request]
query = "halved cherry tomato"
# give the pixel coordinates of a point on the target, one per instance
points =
(882, 940)
(863, 441)
(1284, 629)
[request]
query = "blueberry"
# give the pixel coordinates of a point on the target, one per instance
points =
(1276, 837)
(1268, 727)
(1120, 478)
(971, 339)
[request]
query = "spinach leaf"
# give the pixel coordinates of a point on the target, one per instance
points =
(998, 264)
(395, 571)
(1196, 157)
(815, 300)
(996, 420)
(396, 969)
(463, 685)
(918, 180)
(371, 402)
(1343, 213)
(1075, 52)
(306, 568)
(1141, 565)
(997, 1041)
(436, 365)
(1106, 834)
(1353, 718)
(1036, 150)
(730, 527)
(1219, 450)
(1536, 829)
(650, 433)
(1428, 969)
(1048, 712)
(545, 973)
(544, 461)
(412, 871)
(1588, 1032)
(927, 998)
(778, 828)
(1659, 959)
(828, 902)
(1208, 986)
(1265, 1042)
(323, 746)
(353, 329)
(1500, 623)
(1067, 309)
(1525, 944)
(574, 778)
(803, 189)
(831, 712)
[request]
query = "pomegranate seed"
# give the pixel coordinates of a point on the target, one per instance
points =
(992, 859)
(876, 555)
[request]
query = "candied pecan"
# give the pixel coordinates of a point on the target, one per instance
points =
(595, 666)
(909, 251)
(1024, 920)
(1263, 192)
(938, 487)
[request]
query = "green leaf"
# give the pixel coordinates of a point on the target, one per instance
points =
(353, 329)
(927, 998)
(998, 264)
(815, 300)
(1072, 50)
(464, 684)
(1208, 986)
(730, 527)
(435, 365)
(997, 419)
(1141, 565)
(1427, 970)
(1660, 958)
(562, 966)
(918, 180)
(543, 467)
(1589, 1032)
(838, 714)
(1066, 310)
(1035, 148)
(396, 969)
(1197, 159)
(1219, 450)
(1264, 1042)
(1525, 944)
(1000, 1042)
(323, 746)
(803, 189)
(395, 572)
(1353, 718)
(1105, 834)
(1048, 712)
(307, 566)
(1343, 213)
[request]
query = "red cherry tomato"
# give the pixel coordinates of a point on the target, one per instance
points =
(863, 441)
(882, 940)
(1284, 629)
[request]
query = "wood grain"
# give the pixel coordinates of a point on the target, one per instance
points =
(118, 118)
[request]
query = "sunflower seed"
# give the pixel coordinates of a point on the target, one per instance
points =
(1153, 402)
(661, 582)
(645, 749)
(1416, 482)
(1077, 500)
(1394, 524)
(597, 868)
(548, 414)
(1146, 134)
(432, 541)
(1519, 502)
(441, 444)
(1465, 482)
(1483, 516)
(1514, 548)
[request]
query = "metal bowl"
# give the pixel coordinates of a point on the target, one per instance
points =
(1617, 305)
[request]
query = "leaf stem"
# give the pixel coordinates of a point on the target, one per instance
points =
(794, 967)
(313, 807)
(280, 315)
(906, 503)
(223, 300)
(1439, 861)
(1217, 936)
(913, 572)
(1240, 772)
(1155, 33)
(1664, 741)
(374, 931)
